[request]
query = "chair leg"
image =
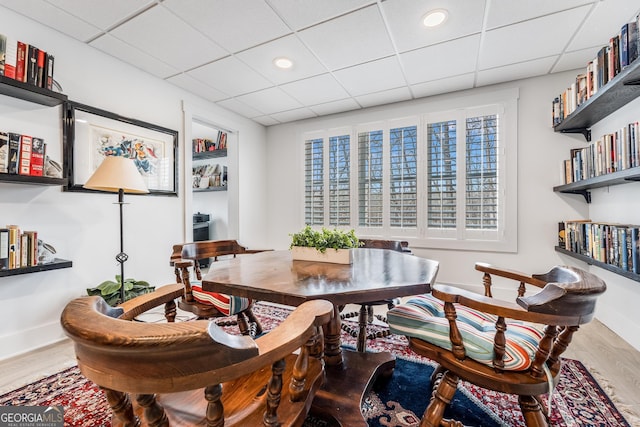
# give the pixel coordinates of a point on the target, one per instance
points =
(441, 397)
(363, 320)
(121, 407)
(170, 311)
(532, 412)
(153, 412)
(243, 325)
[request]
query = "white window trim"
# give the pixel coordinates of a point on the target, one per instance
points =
(507, 239)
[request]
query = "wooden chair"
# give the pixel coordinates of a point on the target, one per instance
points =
(204, 304)
(193, 373)
(365, 314)
(510, 347)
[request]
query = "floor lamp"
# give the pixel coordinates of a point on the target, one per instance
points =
(118, 175)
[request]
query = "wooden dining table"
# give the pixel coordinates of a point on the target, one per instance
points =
(375, 274)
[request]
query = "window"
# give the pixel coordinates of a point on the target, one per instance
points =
(339, 180)
(314, 182)
(370, 190)
(441, 180)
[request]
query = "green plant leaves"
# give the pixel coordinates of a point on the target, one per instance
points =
(325, 239)
(110, 290)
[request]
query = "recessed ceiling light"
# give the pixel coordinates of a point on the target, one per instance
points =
(434, 18)
(283, 63)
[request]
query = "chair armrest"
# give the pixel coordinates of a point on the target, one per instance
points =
(509, 274)
(143, 303)
(495, 306)
(255, 251)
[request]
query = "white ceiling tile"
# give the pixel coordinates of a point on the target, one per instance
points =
(446, 85)
(102, 17)
(506, 12)
(235, 27)
(231, 76)
(335, 107)
(292, 115)
(316, 90)
(518, 71)
(261, 58)
(441, 60)
(240, 108)
(303, 13)
(350, 39)
(270, 100)
(576, 59)
(372, 76)
(509, 45)
(605, 22)
(123, 52)
(192, 85)
(53, 17)
(404, 18)
(266, 120)
(162, 35)
(384, 97)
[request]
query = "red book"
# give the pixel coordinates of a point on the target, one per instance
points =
(37, 156)
(25, 155)
(21, 63)
(40, 67)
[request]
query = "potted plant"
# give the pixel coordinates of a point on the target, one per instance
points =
(110, 290)
(324, 246)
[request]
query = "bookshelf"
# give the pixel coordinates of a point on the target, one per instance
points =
(603, 265)
(582, 187)
(210, 154)
(37, 95)
(615, 94)
(55, 265)
(622, 89)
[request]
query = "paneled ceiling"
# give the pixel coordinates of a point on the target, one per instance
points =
(347, 54)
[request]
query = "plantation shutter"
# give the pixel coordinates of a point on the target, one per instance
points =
(441, 175)
(370, 190)
(403, 177)
(339, 180)
(314, 182)
(481, 186)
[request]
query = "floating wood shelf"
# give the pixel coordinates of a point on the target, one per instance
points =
(603, 265)
(55, 265)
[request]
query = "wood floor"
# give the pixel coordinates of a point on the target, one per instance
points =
(613, 362)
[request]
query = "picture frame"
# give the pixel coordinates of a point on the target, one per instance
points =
(90, 134)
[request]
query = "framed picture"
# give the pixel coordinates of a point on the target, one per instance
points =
(91, 134)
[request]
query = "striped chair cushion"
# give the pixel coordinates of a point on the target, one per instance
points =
(422, 317)
(226, 304)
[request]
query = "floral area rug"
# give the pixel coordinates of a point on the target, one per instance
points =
(577, 401)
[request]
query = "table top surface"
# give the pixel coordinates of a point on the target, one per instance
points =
(375, 274)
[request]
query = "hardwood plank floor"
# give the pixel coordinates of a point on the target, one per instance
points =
(613, 362)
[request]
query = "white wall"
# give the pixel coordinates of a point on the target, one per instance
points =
(540, 155)
(83, 227)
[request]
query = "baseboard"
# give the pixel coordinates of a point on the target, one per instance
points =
(26, 340)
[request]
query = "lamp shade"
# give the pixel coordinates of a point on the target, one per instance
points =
(116, 173)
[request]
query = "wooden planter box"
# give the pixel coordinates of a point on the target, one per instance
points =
(335, 256)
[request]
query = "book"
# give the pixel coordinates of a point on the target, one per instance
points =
(635, 262)
(4, 152)
(4, 248)
(24, 251)
(25, 155)
(14, 152)
(632, 38)
(38, 149)
(32, 244)
(31, 64)
(21, 62)
(48, 84)
(14, 246)
(8, 56)
(40, 67)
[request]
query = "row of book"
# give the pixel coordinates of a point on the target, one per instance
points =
(614, 244)
(211, 175)
(610, 60)
(21, 154)
(25, 62)
(18, 249)
(611, 153)
(201, 145)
